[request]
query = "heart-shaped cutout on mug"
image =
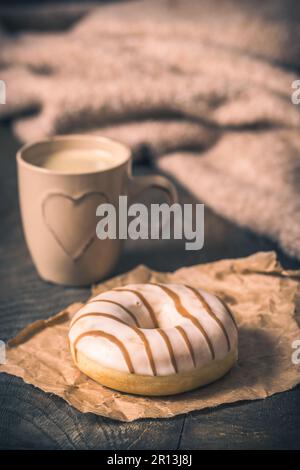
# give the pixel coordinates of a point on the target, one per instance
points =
(72, 220)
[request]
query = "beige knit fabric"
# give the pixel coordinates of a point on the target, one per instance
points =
(205, 85)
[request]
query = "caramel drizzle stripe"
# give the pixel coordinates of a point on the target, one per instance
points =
(118, 305)
(209, 310)
(111, 338)
(144, 301)
(142, 336)
(170, 348)
(187, 342)
(229, 312)
(185, 313)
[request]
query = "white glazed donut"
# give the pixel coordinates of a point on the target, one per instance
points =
(154, 339)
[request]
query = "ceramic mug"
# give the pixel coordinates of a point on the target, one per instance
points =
(58, 209)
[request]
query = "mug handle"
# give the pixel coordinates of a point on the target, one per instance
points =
(139, 184)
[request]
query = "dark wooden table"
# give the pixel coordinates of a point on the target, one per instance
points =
(31, 419)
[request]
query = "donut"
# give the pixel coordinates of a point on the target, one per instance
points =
(154, 339)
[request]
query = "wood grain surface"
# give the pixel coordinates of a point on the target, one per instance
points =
(31, 419)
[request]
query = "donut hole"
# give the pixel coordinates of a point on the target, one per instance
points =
(165, 317)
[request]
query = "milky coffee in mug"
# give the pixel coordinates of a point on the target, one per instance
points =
(62, 180)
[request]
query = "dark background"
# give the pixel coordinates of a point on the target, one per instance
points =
(32, 419)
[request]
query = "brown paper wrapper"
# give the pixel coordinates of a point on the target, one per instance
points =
(263, 298)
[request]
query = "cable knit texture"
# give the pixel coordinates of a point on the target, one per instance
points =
(203, 85)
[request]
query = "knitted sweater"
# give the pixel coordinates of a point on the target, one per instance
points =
(205, 85)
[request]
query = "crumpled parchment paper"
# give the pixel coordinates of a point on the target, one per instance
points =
(264, 299)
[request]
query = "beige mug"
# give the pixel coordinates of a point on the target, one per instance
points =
(58, 208)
